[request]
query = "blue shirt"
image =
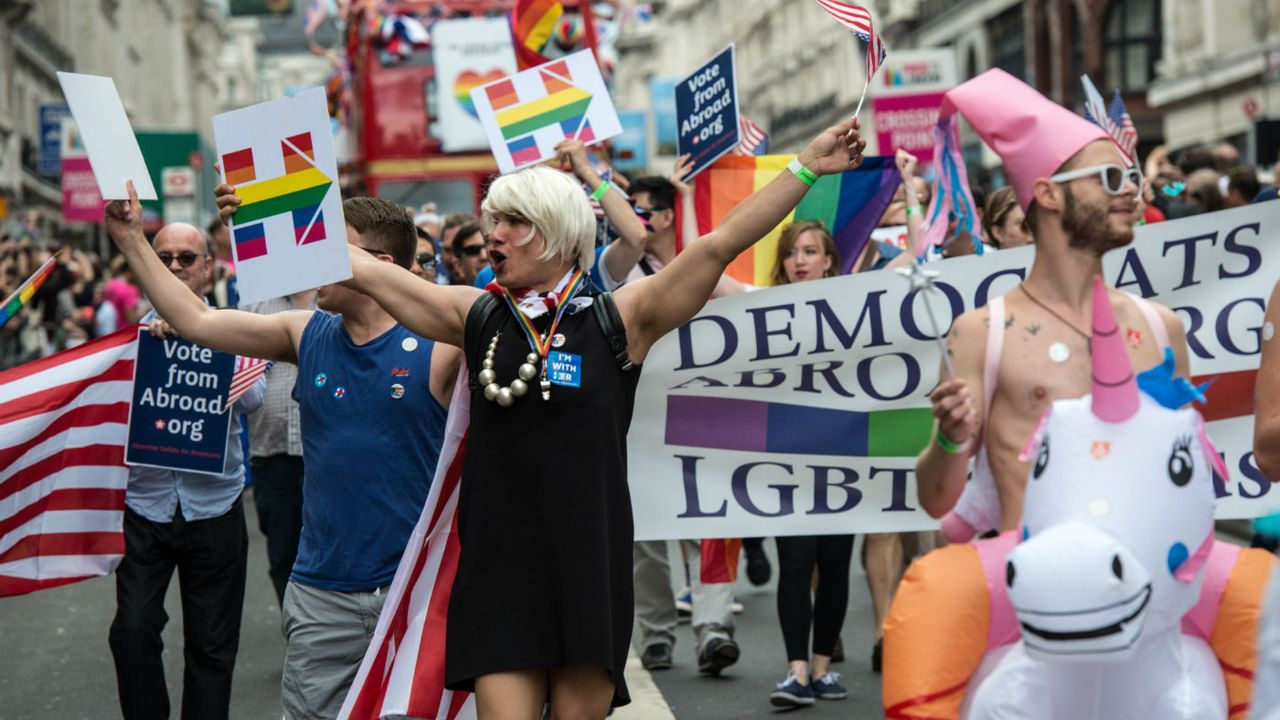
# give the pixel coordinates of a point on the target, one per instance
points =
(371, 434)
(156, 494)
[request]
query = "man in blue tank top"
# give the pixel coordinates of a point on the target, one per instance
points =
(373, 400)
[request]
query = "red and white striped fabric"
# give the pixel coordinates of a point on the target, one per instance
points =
(403, 671)
(247, 372)
(751, 139)
(64, 423)
(858, 20)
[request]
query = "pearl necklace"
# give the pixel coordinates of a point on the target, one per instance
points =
(506, 396)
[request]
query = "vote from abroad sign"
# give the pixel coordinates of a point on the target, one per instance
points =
(707, 111)
(799, 410)
(907, 97)
(178, 419)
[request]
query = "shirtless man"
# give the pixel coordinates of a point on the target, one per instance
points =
(1078, 210)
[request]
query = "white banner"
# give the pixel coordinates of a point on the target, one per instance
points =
(799, 410)
(467, 53)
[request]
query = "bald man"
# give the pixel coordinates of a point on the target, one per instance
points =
(191, 522)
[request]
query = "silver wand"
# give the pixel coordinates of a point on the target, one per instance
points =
(922, 280)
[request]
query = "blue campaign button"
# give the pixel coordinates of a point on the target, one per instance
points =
(564, 369)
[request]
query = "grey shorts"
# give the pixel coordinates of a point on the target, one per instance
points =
(327, 634)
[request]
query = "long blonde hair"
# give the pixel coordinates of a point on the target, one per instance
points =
(792, 233)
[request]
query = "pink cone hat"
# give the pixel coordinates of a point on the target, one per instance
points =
(1033, 135)
(1115, 390)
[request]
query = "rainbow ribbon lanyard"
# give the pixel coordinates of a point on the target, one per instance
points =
(542, 345)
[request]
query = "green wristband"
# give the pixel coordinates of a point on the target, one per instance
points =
(600, 190)
(947, 444)
(913, 210)
(807, 176)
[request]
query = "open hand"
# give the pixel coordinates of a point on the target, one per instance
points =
(836, 149)
(684, 164)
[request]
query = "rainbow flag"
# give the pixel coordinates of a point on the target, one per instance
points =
(298, 192)
(532, 22)
(26, 290)
(850, 204)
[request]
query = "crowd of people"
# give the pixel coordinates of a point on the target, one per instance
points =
(368, 369)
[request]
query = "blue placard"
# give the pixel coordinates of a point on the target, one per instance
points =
(707, 111)
(178, 418)
(631, 148)
(51, 137)
(662, 101)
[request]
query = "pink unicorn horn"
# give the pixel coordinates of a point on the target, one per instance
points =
(1115, 391)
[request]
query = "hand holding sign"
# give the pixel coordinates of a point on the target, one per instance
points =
(123, 218)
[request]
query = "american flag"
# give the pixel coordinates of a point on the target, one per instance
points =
(247, 372)
(403, 670)
(858, 20)
(753, 140)
(1126, 135)
(1095, 110)
(62, 472)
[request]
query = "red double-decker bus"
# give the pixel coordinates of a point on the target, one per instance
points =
(397, 151)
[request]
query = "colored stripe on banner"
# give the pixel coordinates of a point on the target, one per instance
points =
(239, 167)
(524, 150)
(757, 426)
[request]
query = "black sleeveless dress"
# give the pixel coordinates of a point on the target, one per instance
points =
(544, 516)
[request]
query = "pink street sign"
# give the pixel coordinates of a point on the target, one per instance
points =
(906, 121)
(81, 200)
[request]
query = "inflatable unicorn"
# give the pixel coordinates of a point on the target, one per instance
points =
(1113, 601)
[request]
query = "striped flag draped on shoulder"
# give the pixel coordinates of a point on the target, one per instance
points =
(62, 472)
(403, 670)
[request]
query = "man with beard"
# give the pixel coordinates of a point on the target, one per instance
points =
(1021, 352)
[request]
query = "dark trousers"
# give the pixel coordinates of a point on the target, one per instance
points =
(277, 494)
(824, 609)
(211, 557)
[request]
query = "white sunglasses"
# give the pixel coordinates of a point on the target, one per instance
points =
(1114, 176)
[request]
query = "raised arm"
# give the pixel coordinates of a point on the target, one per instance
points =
(1266, 395)
(688, 209)
(943, 466)
(438, 312)
(656, 305)
(272, 337)
(906, 163)
(626, 251)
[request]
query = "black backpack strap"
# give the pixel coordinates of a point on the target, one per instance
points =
(481, 310)
(606, 312)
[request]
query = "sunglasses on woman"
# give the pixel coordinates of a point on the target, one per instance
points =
(1113, 176)
(186, 259)
(426, 261)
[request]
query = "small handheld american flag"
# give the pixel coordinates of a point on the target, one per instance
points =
(858, 20)
(247, 372)
(754, 141)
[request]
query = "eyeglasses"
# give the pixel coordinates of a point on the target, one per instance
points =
(372, 251)
(185, 259)
(426, 261)
(1113, 175)
(472, 250)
